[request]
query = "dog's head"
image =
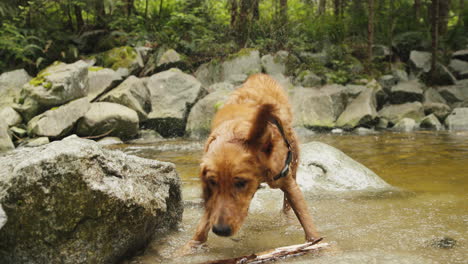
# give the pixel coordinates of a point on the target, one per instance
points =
(232, 170)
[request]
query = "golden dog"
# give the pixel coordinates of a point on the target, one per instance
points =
(251, 142)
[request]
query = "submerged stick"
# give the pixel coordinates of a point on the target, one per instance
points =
(276, 254)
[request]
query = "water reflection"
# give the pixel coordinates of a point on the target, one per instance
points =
(387, 227)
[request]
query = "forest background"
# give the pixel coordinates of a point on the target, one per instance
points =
(35, 33)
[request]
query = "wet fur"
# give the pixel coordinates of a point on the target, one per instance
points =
(245, 149)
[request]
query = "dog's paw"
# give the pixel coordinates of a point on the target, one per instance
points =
(189, 248)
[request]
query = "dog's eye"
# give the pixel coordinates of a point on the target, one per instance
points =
(212, 182)
(240, 184)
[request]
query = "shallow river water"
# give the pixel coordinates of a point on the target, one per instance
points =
(429, 169)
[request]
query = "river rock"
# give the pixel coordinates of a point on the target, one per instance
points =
(441, 111)
(394, 113)
(209, 73)
(308, 79)
(405, 125)
(11, 84)
(72, 201)
(168, 58)
(452, 94)
(318, 107)
(381, 52)
(380, 94)
(320, 58)
(461, 55)
(360, 112)
(387, 82)
(431, 122)
(244, 63)
(5, 139)
(3, 217)
(35, 142)
(58, 84)
(202, 113)
(405, 92)
(133, 94)
(459, 68)
(431, 95)
(9, 116)
(401, 75)
(458, 119)
(173, 93)
(124, 60)
(220, 86)
(275, 64)
(147, 136)
(58, 122)
(101, 80)
(353, 90)
(420, 61)
(108, 119)
(107, 141)
(325, 168)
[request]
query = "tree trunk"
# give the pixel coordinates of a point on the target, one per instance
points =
(234, 12)
(100, 12)
(69, 16)
(79, 17)
(322, 6)
(461, 8)
(284, 11)
(444, 9)
(370, 30)
(129, 7)
(256, 10)
(146, 9)
(243, 22)
(161, 2)
(417, 10)
(435, 37)
(337, 7)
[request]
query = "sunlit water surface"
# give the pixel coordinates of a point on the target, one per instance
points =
(431, 169)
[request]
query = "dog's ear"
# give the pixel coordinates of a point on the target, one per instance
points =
(206, 190)
(258, 136)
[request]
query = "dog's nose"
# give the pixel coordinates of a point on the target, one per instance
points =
(222, 230)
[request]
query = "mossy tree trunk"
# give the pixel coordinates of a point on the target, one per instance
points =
(435, 37)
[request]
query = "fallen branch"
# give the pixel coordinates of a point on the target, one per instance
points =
(276, 254)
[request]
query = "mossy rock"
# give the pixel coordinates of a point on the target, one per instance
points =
(120, 57)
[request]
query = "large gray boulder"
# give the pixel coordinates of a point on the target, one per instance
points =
(318, 107)
(173, 93)
(405, 125)
(461, 55)
(440, 110)
(124, 60)
(459, 68)
(209, 73)
(360, 112)
(458, 119)
(308, 79)
(58, 122)
(420, 61)
(5, 139)
(404, 92)
(58, 84)
(325, 168)
(431, 122)
(453, 94)
(73, 201)
(9, 116)
(387, 82)
(11, 84)
(133, 94)
(394, 113)
(431, 95)
(202, 113)
(108, 119)
(275, 64)
(101, 80)
(237, 67)
(353, 90)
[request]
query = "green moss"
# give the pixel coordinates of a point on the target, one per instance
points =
(241, 53)
(218, 105)
(95, 69)
(47, 85)
(121, 57)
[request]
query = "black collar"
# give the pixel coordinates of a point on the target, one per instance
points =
(285, 170)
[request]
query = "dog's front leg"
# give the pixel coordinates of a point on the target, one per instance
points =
(299, 206)
(200, 237)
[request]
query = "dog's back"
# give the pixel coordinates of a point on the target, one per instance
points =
(261, 89)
